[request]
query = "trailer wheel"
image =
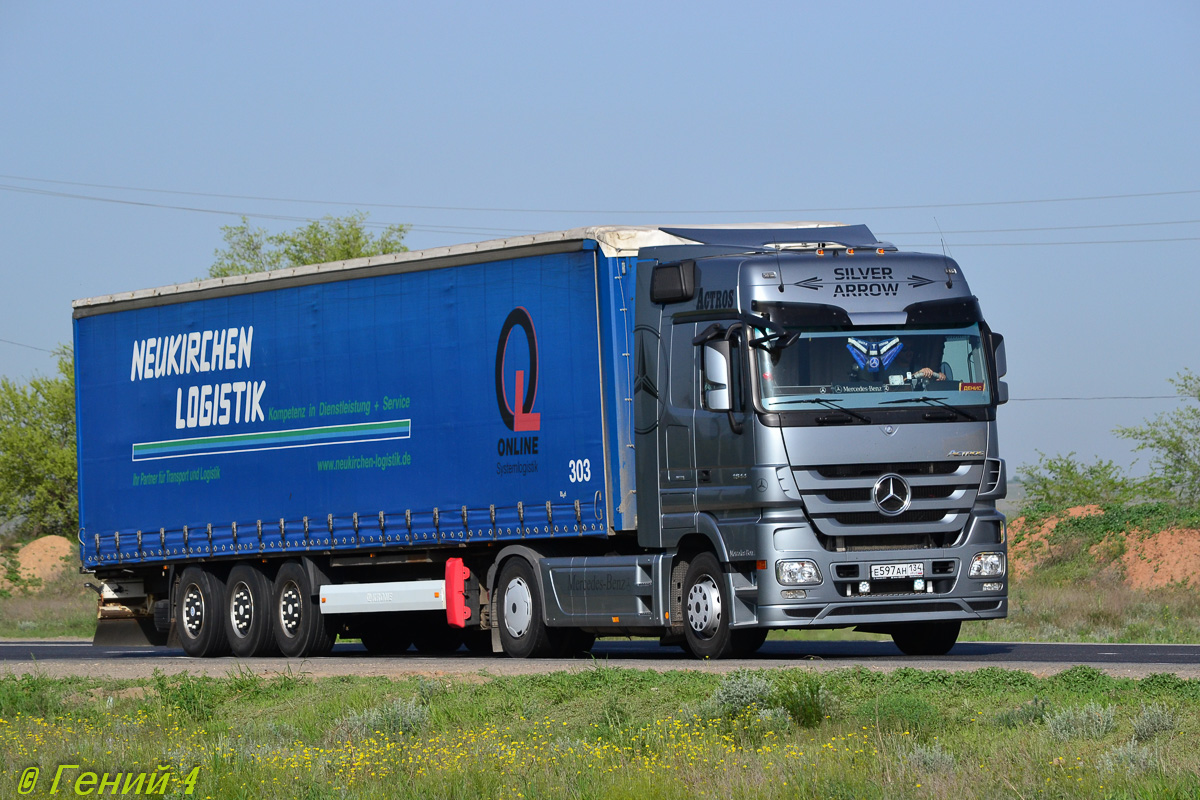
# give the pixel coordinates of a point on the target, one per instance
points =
(200, 608)
(301, 630)
(248, 617)
(523, 634)
(926, 638)
(706, 609)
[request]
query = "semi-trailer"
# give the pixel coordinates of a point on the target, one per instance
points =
(697, 434)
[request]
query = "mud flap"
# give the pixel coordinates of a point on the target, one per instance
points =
(128, 632)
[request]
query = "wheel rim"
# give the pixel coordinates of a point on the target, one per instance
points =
(518, 608)
(241, 609)
(193, 610)
(704, 607)
(289, 608)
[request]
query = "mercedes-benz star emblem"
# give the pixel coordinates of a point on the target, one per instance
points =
(892, 495)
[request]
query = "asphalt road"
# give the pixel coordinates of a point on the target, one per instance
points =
(65, 658)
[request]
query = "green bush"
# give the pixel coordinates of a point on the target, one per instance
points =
(398, 716)
(1130, 758)
(1062, 481)
(1092, 721)
(805, 698)
(1153, 719)
(741, 689)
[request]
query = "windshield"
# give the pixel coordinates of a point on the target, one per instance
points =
(870, 368)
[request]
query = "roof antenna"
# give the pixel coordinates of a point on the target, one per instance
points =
(945, 254)
(778, 266)
(941, 236)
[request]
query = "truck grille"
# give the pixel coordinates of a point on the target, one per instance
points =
(838, 499)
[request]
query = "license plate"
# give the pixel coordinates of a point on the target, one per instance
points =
(884, 571)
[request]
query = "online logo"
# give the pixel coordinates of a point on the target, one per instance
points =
(517, 415)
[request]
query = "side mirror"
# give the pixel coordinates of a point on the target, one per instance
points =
(1001, 393)
(673, 283)
(998, 354)
(717, 396)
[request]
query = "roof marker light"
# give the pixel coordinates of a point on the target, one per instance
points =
(820, 251)
(849, 251)
(879, 251)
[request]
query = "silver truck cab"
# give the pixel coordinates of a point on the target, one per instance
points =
(821, 414)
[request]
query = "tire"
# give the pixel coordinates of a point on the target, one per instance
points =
(300, 629)
(926, 638)
(747, 641)
(248, 613)
(523, 634)
(383, 634)
(200, 613)
(706, 608)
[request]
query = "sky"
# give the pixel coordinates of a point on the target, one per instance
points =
(1051, 148)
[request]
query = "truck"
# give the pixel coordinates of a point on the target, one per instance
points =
(698, 434)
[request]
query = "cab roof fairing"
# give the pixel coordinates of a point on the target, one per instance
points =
(872, 290)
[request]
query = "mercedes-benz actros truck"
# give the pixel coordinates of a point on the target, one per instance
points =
(697, 434)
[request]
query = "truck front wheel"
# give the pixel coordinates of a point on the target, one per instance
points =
(706, 609)
(248, 612)
(523, 634)
(926, 638)
(301, 630)
(200, 609)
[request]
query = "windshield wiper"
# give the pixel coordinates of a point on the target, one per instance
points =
(828, 403)
(934, 401)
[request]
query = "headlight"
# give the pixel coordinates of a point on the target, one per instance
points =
(987, 565)
(797, 573)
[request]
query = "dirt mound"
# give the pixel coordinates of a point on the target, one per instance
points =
(1168, 557)
(1029, 545)
(44, 559)
(1150, 561)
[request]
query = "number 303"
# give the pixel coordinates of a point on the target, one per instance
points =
(581, 470)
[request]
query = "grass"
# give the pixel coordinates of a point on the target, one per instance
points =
(607, 733)
(60, 608)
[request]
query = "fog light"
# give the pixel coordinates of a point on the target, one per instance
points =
(864, 587)
(793, 594)
(919, 585)
(993, 587)
(797, 573)
(987, 565)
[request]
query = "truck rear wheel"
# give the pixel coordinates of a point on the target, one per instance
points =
(301, 630)
(523, 634)
(706, 609)
(926, 638)
(200, 609)
(248, 617)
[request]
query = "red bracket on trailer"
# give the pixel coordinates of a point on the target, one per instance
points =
(457, 609)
